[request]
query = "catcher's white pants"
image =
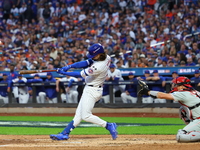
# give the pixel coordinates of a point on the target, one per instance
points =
(193, 132)
(23, 98)
(41, 97)
(126, 97)
(193, 136)
(5, 99)
(193, 126)
(84, 110)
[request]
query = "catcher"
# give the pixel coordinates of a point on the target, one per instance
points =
(189, 112)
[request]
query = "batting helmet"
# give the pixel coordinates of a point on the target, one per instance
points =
(182, 81)
(94, 50)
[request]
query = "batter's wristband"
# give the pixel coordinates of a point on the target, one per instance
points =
(153, 93)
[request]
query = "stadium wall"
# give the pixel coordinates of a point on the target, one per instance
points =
(53, 110)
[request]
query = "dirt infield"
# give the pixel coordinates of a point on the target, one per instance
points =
(95, 142)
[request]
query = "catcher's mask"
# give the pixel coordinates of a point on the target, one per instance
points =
(180, 81)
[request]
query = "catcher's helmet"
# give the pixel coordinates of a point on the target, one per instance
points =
(182, 81)
(94, 50)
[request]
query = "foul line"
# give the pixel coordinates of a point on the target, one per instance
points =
(63, 124)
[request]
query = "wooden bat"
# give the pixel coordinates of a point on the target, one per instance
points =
(34, 71)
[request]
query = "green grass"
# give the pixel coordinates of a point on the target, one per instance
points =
(110, 119)
(153, 129)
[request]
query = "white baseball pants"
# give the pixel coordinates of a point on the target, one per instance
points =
(15, 91)
(158, 100)
(41, 97)
(53, 100)
(193, 132)
(72, 97)
(147, 100)
(5, 99)
(106, 99)
(23, 98)
(84, 110)
(126, 97)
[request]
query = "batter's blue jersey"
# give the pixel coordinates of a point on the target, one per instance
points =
(51, 90)
(38, 88)
(3, 89)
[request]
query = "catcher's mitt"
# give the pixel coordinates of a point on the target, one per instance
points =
(144, 89)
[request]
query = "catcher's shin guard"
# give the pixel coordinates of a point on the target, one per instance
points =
(112, 127)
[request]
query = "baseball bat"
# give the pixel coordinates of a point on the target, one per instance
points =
(34, 71)
(120, 54)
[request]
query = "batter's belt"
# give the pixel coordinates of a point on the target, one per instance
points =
(95, 86)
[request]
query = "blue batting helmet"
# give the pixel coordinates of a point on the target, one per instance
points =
(94, 50)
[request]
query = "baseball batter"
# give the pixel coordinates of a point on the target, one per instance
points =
(22, 90)
(189, 98)
(95, 72)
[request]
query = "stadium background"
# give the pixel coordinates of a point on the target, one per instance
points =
(33, 40)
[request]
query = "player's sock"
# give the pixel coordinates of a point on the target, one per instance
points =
(68, 128)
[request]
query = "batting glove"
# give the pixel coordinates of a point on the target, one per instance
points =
(60, 71)
(66, 68)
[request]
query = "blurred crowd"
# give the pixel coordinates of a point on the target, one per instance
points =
(47, 34)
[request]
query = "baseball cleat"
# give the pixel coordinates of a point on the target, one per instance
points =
(59, 136)
(112, 127)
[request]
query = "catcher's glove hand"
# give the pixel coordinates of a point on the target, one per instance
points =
(144, 89)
